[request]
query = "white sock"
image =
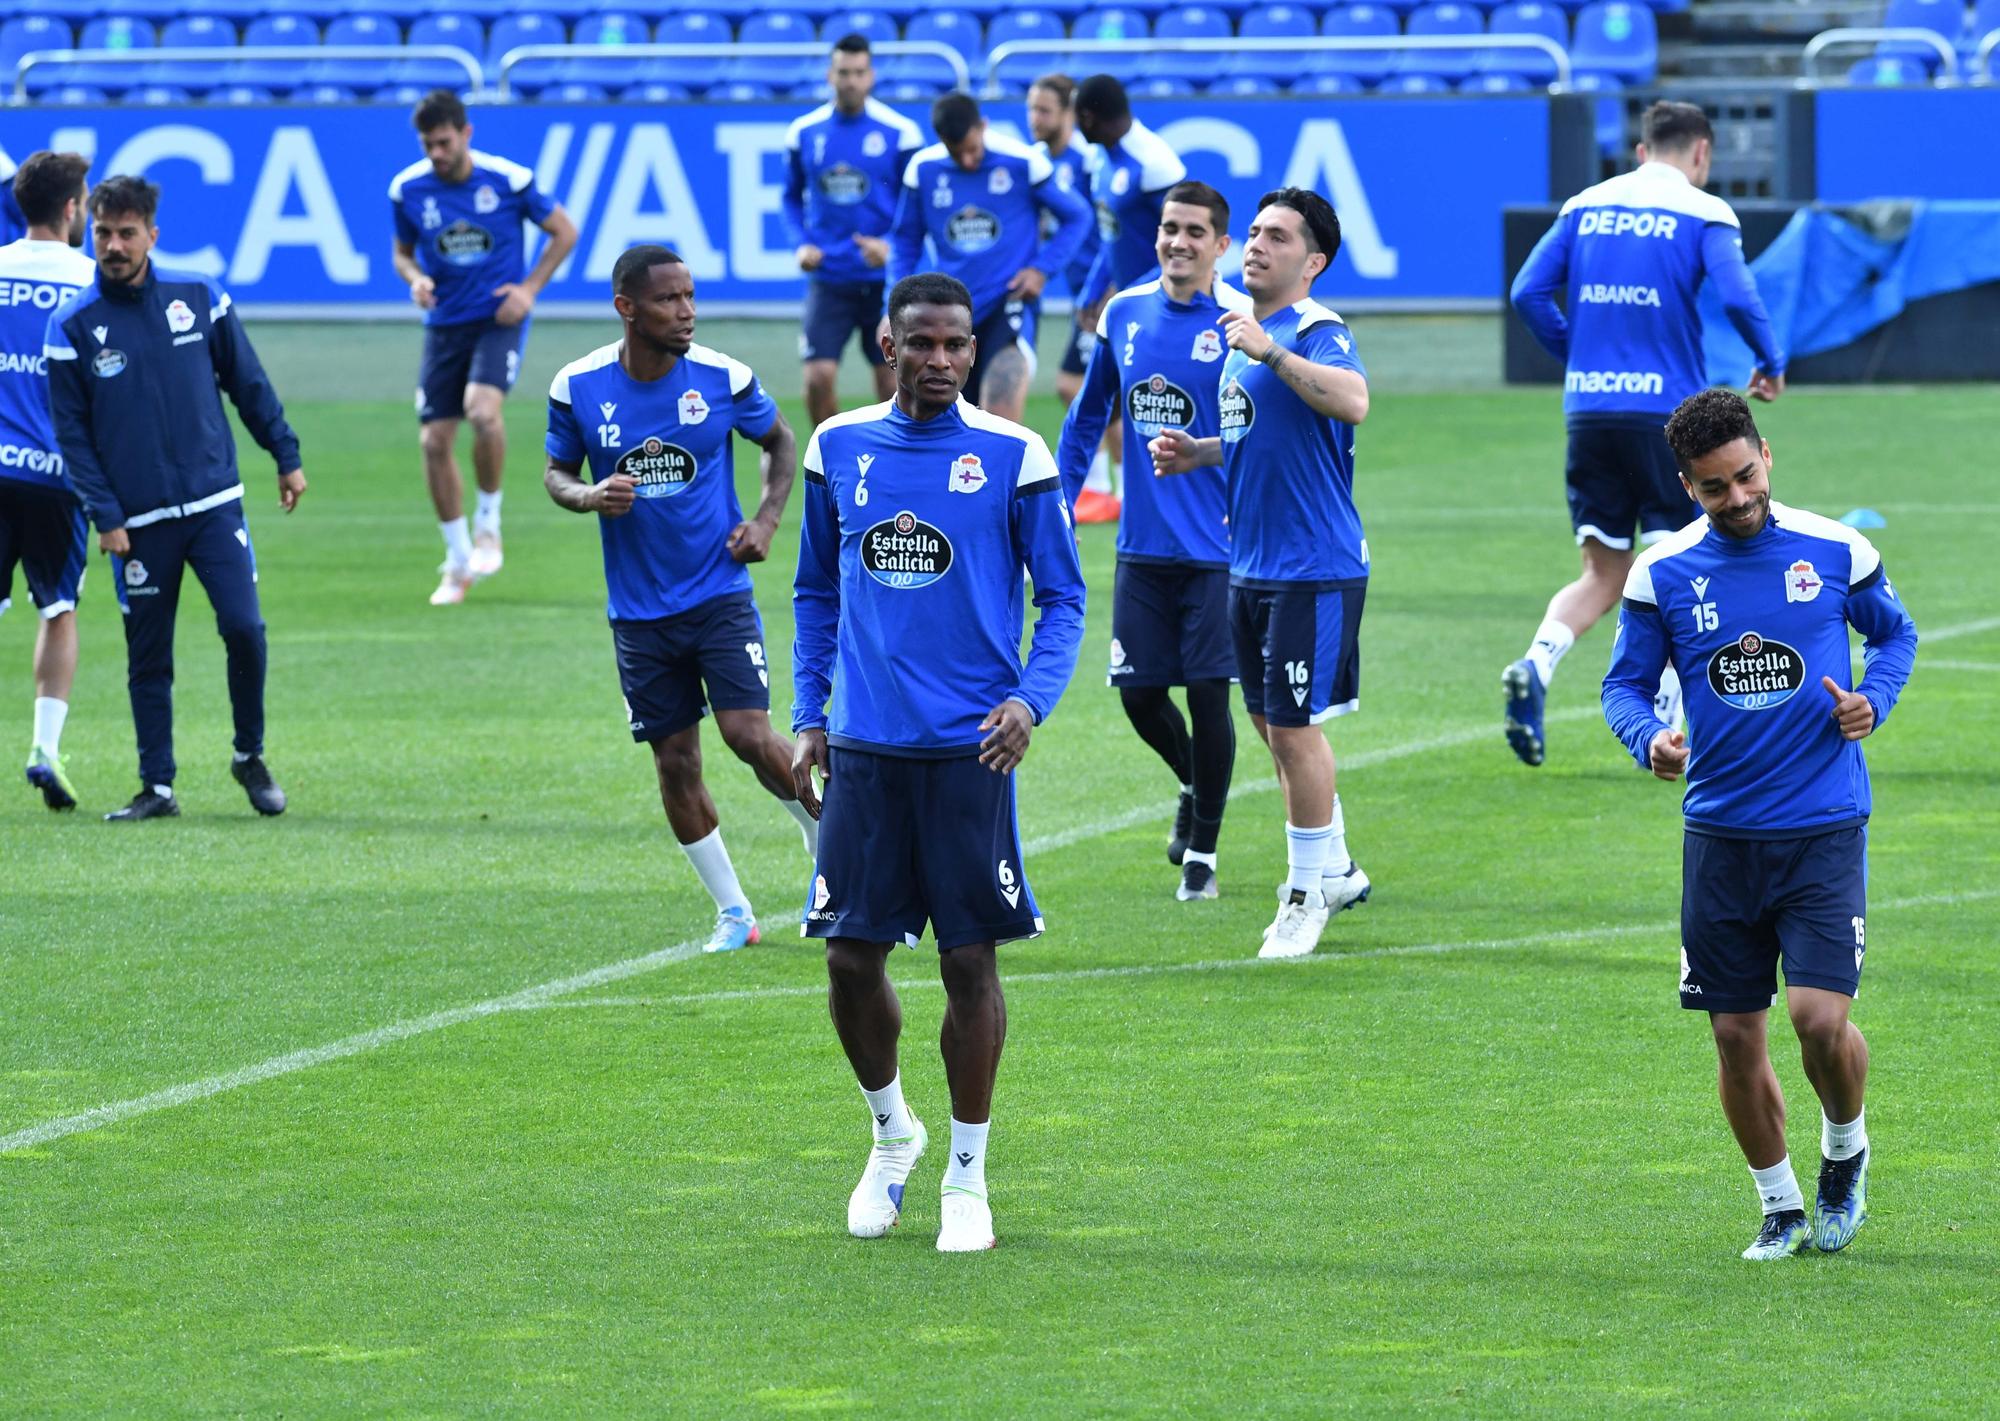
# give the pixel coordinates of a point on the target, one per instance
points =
(1843, 1141)
(718, 875)
(1552, 642)
(164, 791)
(50, 714)
(457, 542)
(238, 757)
(1305, 853)
(486, 513)
(1337, 860)
(807, 823)
(965, 1171)
(893, 1125)
(1192, 857)
(1777, 1189)
(1098, 480)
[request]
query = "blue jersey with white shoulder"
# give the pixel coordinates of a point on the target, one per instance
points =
(36, 278)
(1072, 167)
(1751, 625)
(1128, 186)
(984, 226)
(1156, 364)
(671, 437)
(1630, 255)
(908, 601)
(842, 173)
(468, 237)
(1292, 518)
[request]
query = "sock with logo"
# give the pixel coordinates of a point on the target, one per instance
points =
(1777, 1189)
(1838, 1142)
(1305, 851)
(1337, 860)
(965, 1171)
(1098, 480)
(1552, 642)
(893, 1125)
(718, 875)
(807, 824)
(486, 513)
(457, 543)
(50, 714)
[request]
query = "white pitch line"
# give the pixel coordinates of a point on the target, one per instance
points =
(1959, 665)
(1951, 633)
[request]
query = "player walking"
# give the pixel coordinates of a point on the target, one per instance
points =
(459, 245)
(844, 164)
(652, 416)
(920, 516)
(42, 526)
(1630, 255)
(1752, 604)
(168, 497)
(1158, 353)
(1293, 390)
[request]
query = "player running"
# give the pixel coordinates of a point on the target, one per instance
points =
(844, 164)
(1158, 354)
(980, 199)
(459, 244)
(652, 417)
(1131, 168)
(1752, 604)
(1630, 255)
(1293, 390)
(42, 526)
(920, 517)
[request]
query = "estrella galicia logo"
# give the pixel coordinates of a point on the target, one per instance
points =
(657, 468)
(905, 551)
(108, 362)
(1156, 403)
(972, 229)
(1239, 411)
(1752, 673)
(464, 244)
(843, 184)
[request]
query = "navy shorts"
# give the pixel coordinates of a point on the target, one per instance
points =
(1298, 651)
(471, 353)
(904, 842)
(44, 531)
(1748, 904)
(1169, 625)
(1619, 476)
(1076, 355)
(1011, 325)
(664, 665)
(834, 311)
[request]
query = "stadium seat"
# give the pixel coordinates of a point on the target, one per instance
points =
(404, 12)
(512, 32)
(1329, 84)
(694, 27)
(1445, 20)
(1414, 84)
(360, 75)
(1494, 84)
(74, 96)
(737, 91)
(281, 30)
(350, 31)
(459, 32)
(158, 95)
(154, 12)
(1282, 21)
(1616, 37)
(947, 27)
(1886, 71)
(1111, 23)
(1944, 18)
(575, 93)
(318, 11)
(27, 33)
(1355, 21)
(72, 12)
(198, 32)
(324, 94)
(241, 95)
(114, 33)
(1022, 69)
(408, 96)
(1244, 86)
(1161, 87)
(775, 27)
(612, 28)
(1526, 17)
(657, 94)
(281, 75)
(871, 25)
(1193, 66)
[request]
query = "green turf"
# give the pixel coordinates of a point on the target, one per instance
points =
(1466, 1161)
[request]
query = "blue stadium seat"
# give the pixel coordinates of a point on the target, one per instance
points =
(408, 96)
(775, 27)
(1110, 23)
(460, 31)
(1985, 20)
(871, 25)
(198, 32)
(487, 12)
(1448, 18)
(1414, 84)
(1494, 83)
(279, 74)
(1617, 37)
(948, 27)
(281, 29)
(1944, 18)
(655, 93)
(116, 33)
(1358, 21)
(237, 12)
(363, 29)
(737, 91)
(154, 12)
(607, 28)
(1161, 87)
(1328, 84)
(158, 95)
(404, 12)
(318, 11)
(74, 96)
(1243, 86)
(1282, 21)
(1188, 22)
(241, 95)
(74, 12)
(568, 11)
(511, 32)
(324, 94)
(575, 93)
(359, 75)
(27, 33)
(694, 27)
(1022, 69)
(909, 91)
(1526, 17)
(1885, 71)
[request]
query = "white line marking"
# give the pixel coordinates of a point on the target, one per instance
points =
(1959, 665)
(1924, 638)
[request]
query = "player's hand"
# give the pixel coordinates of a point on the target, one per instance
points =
(1009, 723)
(614, 496)
(117, 542)
(1241, 332)
(750, 540)
(1853, 712)
(423, 291)
(874, 250)
(1028, 283)
(808, 753)
(1766, 387)
(1172, 451)
(291, 487)
(515, 303)
(1669, 754)
(809, 257)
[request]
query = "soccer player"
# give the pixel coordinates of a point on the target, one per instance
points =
(164, 490)
(42, 525)
(1629, 256)
(1158, 353)
(459, 244)
(920, 516)
(844, 163)
(1293, 391)
(980, 199)
(1131, 168)
(1751, 604)
(652, 417)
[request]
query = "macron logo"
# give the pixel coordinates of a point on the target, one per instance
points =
(866, 461)
(1614, 382)
(1700, 586)
(609, 409)
(100, 332)
(1346, 345)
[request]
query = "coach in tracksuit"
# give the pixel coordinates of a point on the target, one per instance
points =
(137, 361)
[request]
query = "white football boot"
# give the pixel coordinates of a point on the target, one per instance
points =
(877, 1201)
(1346, 889)
(452, 585)
(1295, 931)
(487, 558)
(965, 1223)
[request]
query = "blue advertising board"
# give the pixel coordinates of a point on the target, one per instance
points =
(288, 206)
(1876, 143)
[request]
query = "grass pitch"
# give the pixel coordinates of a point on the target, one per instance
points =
(1465, 1161)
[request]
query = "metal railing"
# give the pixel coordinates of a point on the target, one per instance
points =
(887, 49)
(1982, 58)
(1289, 44)
(248, 53)
(1832, 39)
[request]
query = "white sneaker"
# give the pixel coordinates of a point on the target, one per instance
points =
(1346, 889)
(486, 555)
(452, 585)
(965, 1224)
(877, 1201)
(1295, 931)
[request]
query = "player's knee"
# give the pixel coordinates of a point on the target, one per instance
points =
(1141, 702)
(483, 414)
(745, 734)
(241, 631)
(436, 438)
(678, 759)
(1739, 1040)
(852, 966)
(1821, 1030)
(969, 973)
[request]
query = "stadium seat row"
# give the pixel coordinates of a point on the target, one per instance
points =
(1952, 21)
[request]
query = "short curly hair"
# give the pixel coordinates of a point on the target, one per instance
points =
(1707, 421)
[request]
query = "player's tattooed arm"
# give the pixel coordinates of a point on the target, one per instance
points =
(1337, 394)
(611, 497)
(750, 541)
